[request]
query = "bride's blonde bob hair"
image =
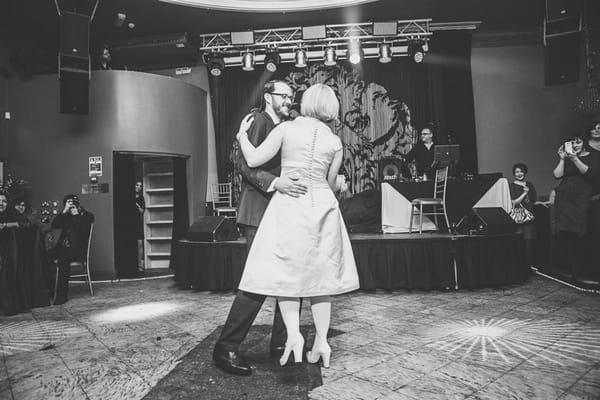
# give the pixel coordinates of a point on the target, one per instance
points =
(319, 101)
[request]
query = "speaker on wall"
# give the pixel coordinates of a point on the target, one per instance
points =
(486, 220)
(559, 9)
(74, 91)
(561, 56)
(74, 34)
(212, 229)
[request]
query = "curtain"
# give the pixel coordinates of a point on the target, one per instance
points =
(181, 218)
(125, 216)
(382, 105)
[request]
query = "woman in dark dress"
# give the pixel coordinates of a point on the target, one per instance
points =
(523, 194)
(12, 292)
(572, 202)
(140, 205)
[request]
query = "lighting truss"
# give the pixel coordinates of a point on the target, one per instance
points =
(287, 40)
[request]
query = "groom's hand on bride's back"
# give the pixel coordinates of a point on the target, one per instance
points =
(290, 186)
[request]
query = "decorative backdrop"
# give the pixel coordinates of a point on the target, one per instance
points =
(382, 105)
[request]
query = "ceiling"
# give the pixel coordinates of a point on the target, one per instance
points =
(29, 28)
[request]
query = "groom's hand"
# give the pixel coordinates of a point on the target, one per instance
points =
(290, 186)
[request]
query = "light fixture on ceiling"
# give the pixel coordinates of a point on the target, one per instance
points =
(300, 58)
(385, 53)
(248, 61)
(272, 60)
(355, 52)
(415, 50)
(216, 64)
(329, 56)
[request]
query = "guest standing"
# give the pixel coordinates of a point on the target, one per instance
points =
(523, 194)
(572, 202)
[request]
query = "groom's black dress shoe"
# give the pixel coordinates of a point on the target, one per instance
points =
(231, 361)
(277, 351)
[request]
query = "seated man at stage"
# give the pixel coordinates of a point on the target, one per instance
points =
(75, 223)
(422, 153)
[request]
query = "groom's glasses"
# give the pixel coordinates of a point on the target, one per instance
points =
(285, 96)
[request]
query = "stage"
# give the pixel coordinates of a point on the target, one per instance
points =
(428, 261)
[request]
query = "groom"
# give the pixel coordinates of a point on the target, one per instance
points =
(258, 184)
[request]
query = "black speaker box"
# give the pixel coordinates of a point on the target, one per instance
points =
(74, 92)
(486, 220)
(390, 169)
(561, 55)
(559, 9)
(212, 229)
(74, 34)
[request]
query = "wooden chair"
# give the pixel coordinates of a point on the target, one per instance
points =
(79, 269)
(222, 200)
(437, 202)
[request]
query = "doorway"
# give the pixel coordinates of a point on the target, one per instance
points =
(147, 222)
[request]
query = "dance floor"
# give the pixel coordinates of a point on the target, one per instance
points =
(150, 339)
(384, 261)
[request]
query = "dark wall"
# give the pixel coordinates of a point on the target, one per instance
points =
(518, 117)
(129, 111)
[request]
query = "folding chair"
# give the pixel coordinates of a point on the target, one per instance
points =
(222, 200)
(437, 202)
(79, 269)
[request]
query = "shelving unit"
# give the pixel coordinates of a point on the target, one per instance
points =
(158, 219)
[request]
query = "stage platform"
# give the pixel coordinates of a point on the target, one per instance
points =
(428, 261)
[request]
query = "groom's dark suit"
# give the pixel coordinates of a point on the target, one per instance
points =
(253, 202)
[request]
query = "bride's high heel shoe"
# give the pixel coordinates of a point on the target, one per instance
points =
(294, 345)
(323, 352)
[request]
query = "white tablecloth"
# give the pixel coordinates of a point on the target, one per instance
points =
(395, 208)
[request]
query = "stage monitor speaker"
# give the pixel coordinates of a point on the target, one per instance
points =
(74, 34)
(390, 169)
(212, 229)
(486, 220)
(74, 92)
(562, 55)
(560, 9)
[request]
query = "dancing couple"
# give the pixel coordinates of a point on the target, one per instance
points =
(301, 248)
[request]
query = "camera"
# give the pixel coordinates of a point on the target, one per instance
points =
(569, 147)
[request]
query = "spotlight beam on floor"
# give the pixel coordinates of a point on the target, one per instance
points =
(553, 341)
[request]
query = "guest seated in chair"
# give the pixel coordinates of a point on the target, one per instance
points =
(75, 223)
(22, 212)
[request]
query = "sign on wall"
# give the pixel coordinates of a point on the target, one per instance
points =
(95, 168)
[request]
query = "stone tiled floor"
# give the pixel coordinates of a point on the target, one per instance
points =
(539, 340)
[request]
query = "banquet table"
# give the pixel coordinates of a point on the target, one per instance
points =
(22, 270)
(488, 190)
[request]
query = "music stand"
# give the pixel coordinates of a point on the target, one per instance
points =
(446, 155)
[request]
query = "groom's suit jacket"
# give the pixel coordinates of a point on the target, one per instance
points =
(256, 181)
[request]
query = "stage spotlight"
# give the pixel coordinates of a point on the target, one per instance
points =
(216, 64)
(385, 53)
(248, 61)
(355, 52)
(330, 56)
(272, 60)
(415, 50)
(300, 58)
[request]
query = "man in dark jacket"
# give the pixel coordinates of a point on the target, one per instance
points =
(258, 184)
(75, 224)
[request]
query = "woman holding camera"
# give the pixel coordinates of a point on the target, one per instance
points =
(573, 200)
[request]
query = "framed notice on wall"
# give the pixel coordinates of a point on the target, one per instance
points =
(95, 166)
